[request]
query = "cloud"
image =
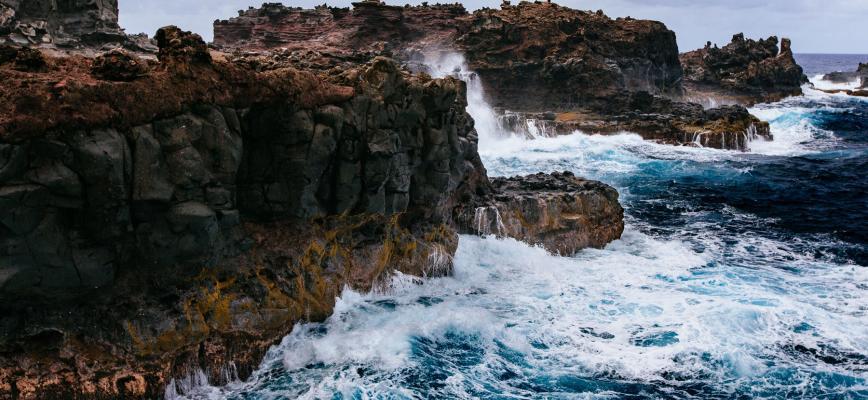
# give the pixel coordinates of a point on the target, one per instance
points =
(828, 26)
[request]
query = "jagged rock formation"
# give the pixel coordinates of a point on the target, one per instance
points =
(161, 217)
(560, 212)
(66, 24)
(745, 71)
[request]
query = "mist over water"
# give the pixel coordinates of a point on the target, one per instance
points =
(740, 275)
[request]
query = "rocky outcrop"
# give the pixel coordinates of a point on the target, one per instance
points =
(745, 71)
(162, 218)
(541, 56)
(654, 118)
(560, 212)
(65, 24)
(860, 76)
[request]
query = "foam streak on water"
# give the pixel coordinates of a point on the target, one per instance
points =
(740, 275)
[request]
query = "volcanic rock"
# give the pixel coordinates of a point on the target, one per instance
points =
(746, 71)
(861, 75)
(654, 118)
(66, 24)
(118, 65)
(529, 56)
(559, 211)
(188, 218)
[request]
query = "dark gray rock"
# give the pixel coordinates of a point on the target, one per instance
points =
(13, 161)
(150, 174)
(58, 178)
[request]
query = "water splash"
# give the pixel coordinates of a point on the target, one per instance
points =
(488, 222)
(713, 291)
(490, 124)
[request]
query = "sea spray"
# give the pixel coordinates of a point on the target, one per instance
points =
(711, 293)
(490, 124)
(487, 221)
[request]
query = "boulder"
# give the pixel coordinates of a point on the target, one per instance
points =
(118, 65)
(560, 212)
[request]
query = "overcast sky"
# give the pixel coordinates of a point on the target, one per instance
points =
(816, 26)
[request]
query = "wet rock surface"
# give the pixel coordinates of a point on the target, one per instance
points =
(654, 118)
(184, 216)
(561, 212)
(745, 71)
(860, 76)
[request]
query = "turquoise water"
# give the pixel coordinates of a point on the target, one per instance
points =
(739, 276)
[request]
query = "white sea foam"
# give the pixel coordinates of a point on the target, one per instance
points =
(566, 316)
(823, 84)
(701, 303)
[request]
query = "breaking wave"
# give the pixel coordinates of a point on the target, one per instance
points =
(740, 275)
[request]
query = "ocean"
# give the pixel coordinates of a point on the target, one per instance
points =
(740, 275)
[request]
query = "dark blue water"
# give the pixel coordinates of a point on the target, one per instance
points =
(739, 276)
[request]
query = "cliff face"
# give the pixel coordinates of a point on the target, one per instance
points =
(530, 56)
(602, 75)
(749, 70)
(541, 56)
(162, 217)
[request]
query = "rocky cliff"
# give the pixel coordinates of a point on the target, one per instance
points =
(530, 56)
(366, 26)
(745, 71)
(163, 217)
(535, 56)
(605, 74)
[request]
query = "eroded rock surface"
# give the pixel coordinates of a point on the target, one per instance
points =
(157, 218)
(559, 211)
(745, 71)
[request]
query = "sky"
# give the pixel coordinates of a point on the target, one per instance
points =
(815, 26)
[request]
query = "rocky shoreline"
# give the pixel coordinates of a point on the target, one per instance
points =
(185, 214)
(170, 207)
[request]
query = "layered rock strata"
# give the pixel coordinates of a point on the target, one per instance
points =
(160, 218)
(745, 71)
